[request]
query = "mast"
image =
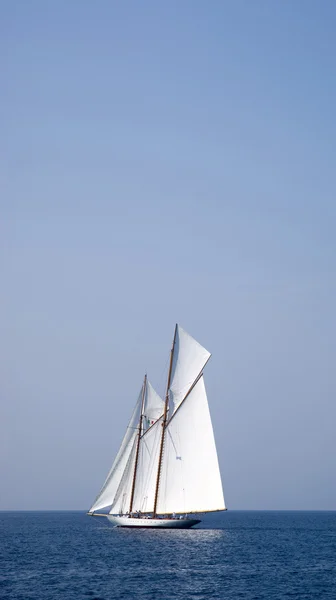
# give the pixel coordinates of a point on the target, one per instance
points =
(164, 424)
(138, 443)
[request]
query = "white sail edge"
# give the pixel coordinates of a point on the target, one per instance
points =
(123, 494)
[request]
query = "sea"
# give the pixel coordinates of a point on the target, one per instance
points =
(232, 555)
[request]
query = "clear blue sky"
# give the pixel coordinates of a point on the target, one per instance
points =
(162, 162)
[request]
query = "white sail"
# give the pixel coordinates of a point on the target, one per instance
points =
(118, 484)
(122, 498)
(153, 406)
(145, 484)
(112, 481)
(186, 475)
(189, 359)
(190, 478)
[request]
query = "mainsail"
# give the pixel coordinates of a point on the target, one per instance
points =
(190, 478)
(147, 468)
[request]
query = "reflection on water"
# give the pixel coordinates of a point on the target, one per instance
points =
(59, 556)
(177, 535)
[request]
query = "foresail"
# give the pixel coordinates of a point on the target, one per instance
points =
(122, 497)
(189, 359)
(109, 489)
(190, 479)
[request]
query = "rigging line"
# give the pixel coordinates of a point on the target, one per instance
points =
(190, 390)
(150, 427)
(200, 375)
(144, 389)
(162, 377)
(164, 423)
(124, 476)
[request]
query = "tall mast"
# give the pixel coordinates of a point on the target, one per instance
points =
(164, 425)
(138, 442)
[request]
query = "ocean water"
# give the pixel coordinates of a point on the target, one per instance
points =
(248, 555)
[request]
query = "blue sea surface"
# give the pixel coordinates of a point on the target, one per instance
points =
(232, 555)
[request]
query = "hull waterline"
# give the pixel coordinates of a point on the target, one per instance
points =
(152, 523)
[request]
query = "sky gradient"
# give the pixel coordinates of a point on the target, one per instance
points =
(163, 162)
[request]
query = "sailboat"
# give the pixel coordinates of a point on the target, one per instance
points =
(166, 471)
